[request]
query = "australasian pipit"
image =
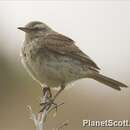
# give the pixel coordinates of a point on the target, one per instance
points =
(53, 59)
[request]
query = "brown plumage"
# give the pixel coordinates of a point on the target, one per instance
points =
(66, 46)
(54, 59)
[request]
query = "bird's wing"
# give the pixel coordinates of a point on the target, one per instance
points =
(63, 45)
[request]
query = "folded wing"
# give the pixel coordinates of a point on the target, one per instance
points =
(63, 45)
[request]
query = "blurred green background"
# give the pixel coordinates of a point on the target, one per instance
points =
(103, 33)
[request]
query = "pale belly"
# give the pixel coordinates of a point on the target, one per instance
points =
(54, 70)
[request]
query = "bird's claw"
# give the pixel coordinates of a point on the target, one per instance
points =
(47, 104)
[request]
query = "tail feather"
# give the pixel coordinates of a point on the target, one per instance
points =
(109, 81)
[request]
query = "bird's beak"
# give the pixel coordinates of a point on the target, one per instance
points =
(25, 29)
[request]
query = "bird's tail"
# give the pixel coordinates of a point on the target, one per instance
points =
(109, 81)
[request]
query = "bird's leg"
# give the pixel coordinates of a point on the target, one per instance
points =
(46, 104)
(57, 94)
(46, 98)
(47, 90)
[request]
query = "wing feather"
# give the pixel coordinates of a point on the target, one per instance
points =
(63, 45)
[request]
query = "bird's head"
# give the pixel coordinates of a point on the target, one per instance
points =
(35, 29)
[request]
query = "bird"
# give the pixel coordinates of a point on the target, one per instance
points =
(54, 60)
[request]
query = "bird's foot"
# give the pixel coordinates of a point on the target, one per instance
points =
(47, 104)
(47, 101)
